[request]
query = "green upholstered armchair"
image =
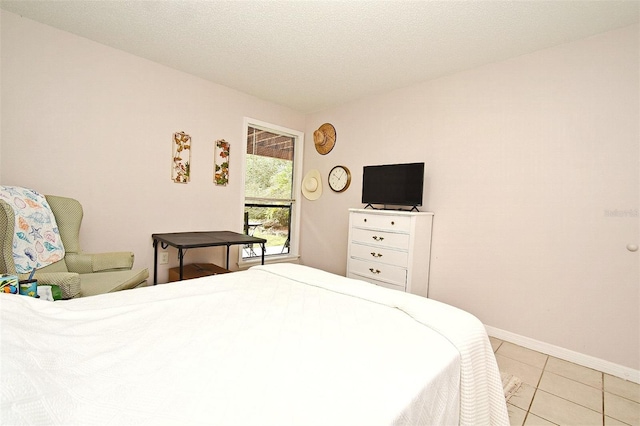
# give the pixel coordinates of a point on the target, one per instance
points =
(77, 274)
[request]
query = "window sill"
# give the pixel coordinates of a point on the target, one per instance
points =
(285, 258)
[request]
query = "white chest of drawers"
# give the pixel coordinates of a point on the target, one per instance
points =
(390, 248)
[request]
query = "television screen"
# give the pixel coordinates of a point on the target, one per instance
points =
(393, 184)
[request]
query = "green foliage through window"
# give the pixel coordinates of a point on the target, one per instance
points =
(268, 177)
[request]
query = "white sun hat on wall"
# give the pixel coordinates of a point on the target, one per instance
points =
(312, 185)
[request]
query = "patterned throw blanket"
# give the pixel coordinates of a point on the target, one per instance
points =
(36, 242)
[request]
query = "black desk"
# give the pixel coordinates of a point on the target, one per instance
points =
(186, 240)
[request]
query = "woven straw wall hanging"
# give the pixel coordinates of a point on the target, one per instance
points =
(181, 167)
(221, 162)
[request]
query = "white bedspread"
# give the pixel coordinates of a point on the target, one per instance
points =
(247, 348)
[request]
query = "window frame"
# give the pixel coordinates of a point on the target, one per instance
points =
(294, 236)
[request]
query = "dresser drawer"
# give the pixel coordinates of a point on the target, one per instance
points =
(377, 221)
(380, 255)
(380, 238)
(378, 271)
(380, 283)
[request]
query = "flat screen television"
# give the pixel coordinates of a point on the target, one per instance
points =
(393, 184)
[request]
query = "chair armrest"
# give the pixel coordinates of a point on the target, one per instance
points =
(86, 263)
(68, 282)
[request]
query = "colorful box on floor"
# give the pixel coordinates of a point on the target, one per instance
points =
(9, 284)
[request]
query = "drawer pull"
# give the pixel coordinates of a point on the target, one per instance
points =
(374, 271)
(376, 254)
(392, 222)
(375, 237)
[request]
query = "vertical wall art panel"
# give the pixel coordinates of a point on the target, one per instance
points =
(181, 168)
(221, 162)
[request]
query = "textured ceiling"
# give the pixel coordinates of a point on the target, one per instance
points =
(311, 55)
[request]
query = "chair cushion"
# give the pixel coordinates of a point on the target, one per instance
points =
(106, 282)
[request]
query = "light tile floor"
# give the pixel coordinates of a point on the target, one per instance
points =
(557, 392)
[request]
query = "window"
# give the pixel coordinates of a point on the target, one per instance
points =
(272, 161)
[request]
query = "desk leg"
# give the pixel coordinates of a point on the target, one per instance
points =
(262, 244)
(228, 257)
(155, 262)
(180, 255)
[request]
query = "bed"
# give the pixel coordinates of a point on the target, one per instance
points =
(274, 345)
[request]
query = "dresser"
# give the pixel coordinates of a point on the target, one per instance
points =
(390, 248)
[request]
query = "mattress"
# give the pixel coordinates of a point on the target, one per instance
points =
(274, 345)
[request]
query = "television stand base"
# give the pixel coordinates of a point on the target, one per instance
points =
(385, 207)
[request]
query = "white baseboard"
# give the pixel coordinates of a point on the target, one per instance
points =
(566, 354)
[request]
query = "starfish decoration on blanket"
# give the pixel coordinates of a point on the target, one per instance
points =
(35, 232)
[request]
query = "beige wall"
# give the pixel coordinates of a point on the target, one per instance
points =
(526, 161)
(87, 121)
